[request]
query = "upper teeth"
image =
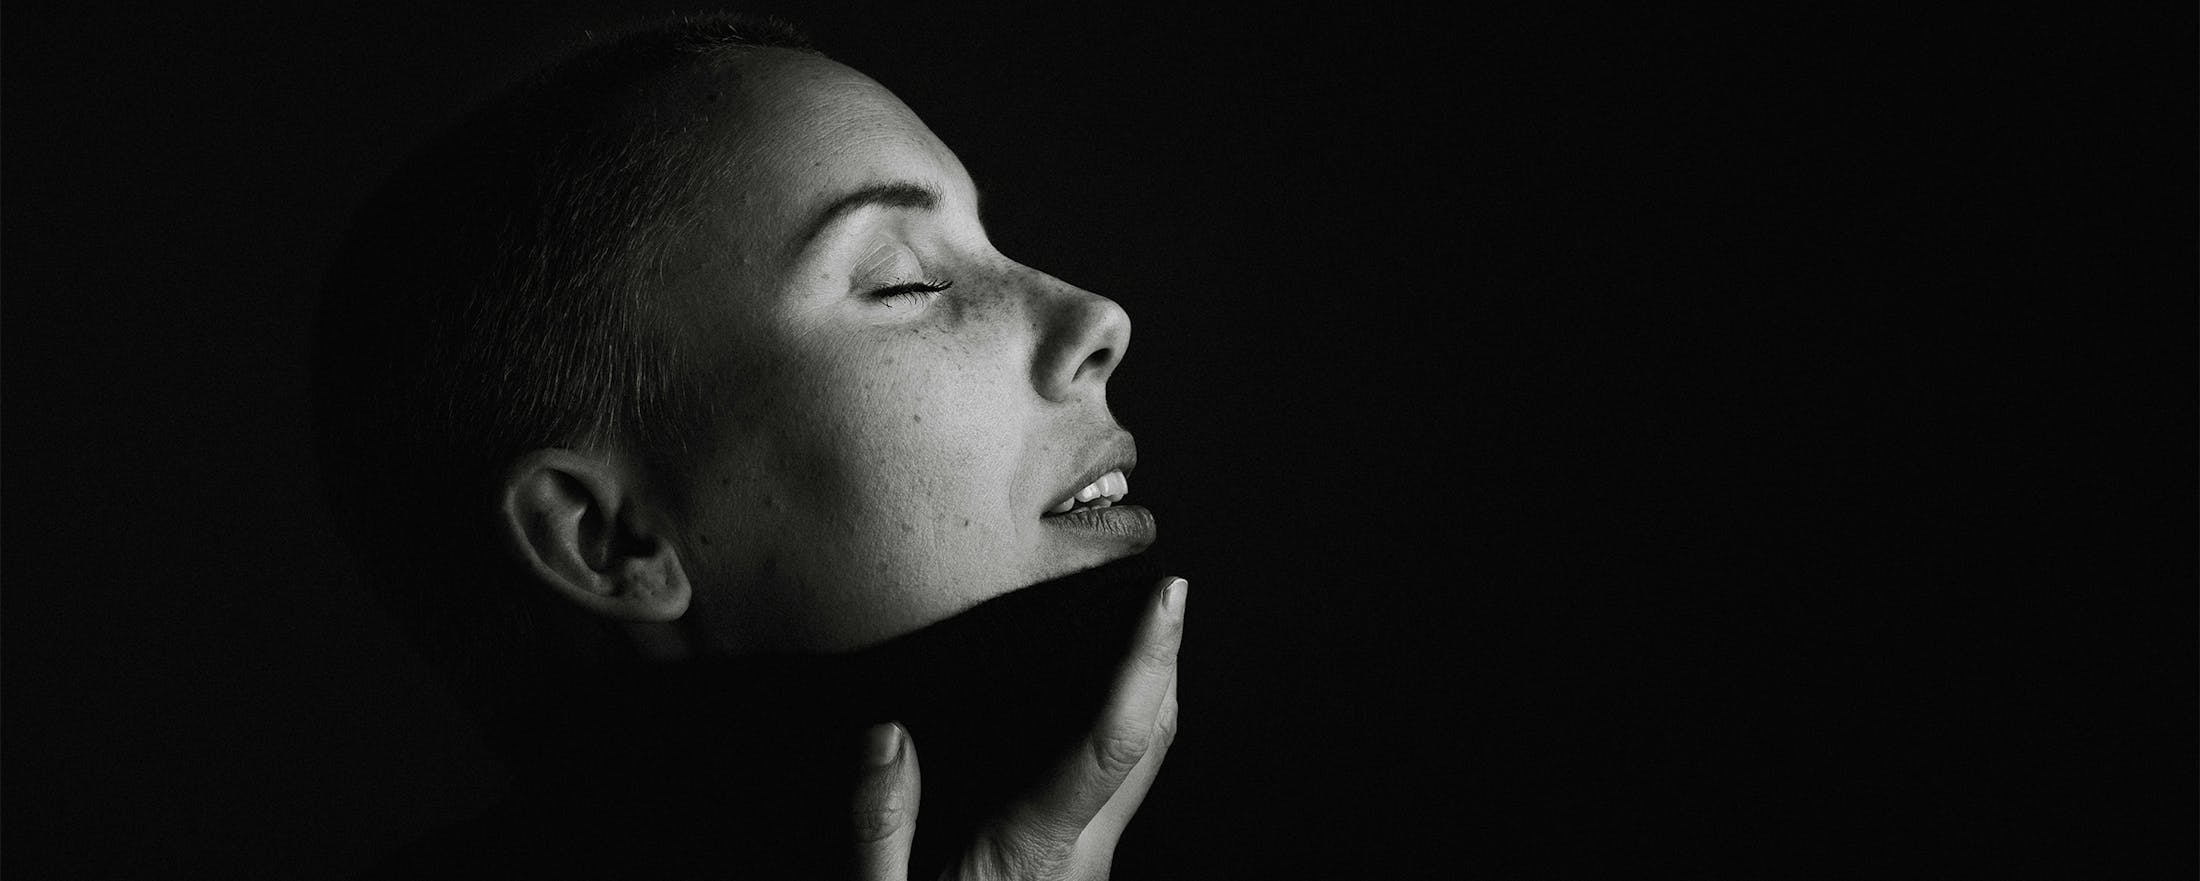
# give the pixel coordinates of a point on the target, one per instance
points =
(1112, 485)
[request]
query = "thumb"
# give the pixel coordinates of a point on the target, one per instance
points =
(885, 806)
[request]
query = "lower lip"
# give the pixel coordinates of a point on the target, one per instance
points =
(1117, 521)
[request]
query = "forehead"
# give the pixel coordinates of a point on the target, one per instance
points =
(798, 131)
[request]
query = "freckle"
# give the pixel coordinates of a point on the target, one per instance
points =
(916, 417)
(966, 523)
(706, 539)
(908, 527)
(725, 481)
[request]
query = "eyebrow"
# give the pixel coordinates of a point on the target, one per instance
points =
(892, 194)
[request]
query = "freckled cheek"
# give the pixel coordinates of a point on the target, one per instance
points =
(942, 445)
(854, 429)
(911, 426)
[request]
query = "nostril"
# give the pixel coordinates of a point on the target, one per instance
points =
(1084, 340)
(1102, 361)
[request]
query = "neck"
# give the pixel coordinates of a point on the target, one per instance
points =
(991, 698)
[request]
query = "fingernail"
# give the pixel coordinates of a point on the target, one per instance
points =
(1172, 597)
(885, 745)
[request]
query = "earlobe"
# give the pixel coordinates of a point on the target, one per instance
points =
(654, 587)
(579, 525)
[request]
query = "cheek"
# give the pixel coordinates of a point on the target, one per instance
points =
(885, 432)
(935, 438)
(914, 462)
(890, 464)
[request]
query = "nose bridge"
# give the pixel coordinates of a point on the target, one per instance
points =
(1082, 336)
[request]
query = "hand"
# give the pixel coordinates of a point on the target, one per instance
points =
(1066, 829)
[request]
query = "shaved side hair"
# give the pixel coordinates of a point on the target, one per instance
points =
(498, 296)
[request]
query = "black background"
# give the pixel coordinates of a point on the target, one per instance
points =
(1615, 439)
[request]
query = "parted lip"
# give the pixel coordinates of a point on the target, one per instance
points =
(1116, 452)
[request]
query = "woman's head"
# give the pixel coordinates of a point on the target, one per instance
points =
(894, 404)
(701, 333)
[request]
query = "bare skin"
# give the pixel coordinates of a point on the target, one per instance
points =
(1067, 828)
(882, 459)
(902, 414)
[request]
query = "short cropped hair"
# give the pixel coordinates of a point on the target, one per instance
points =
(496, 297)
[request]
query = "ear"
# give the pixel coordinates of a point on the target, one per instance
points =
(578, 523)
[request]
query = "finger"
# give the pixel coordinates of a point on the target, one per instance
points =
(1107, 827)
(885, 805)
(1127, 728)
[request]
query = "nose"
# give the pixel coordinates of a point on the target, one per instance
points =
(1082, 336)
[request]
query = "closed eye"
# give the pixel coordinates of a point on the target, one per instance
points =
(909, 293)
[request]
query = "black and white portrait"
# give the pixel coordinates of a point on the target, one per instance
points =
(883, 442)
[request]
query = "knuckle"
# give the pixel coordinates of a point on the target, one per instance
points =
(1165, 730)
(1159, 654)
(1024, 853)
(878, 823)
(1115, 752)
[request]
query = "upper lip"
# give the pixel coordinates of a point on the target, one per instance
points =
(1118, 452)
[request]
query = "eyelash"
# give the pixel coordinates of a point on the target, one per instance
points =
(910, 289)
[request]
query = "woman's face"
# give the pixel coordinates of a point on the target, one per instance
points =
(882, 455)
